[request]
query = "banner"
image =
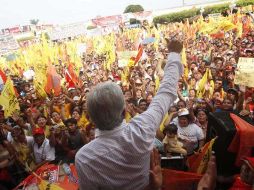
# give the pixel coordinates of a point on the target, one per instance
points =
(107, 21)
(245, 71)
(8, 44)
(8, 99)
(66, 31)
(124, 57)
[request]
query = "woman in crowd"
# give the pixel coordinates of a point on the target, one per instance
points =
(189, 133)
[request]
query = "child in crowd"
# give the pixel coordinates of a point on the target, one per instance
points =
(171, 143)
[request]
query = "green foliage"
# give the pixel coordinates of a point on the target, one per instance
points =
(133, 9)
(90, 27)
(243, 3)
(216, 9)
(34, 21)
(47, 37)
(180, 16)
(176, 17)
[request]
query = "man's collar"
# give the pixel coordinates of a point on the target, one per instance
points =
(99, 133)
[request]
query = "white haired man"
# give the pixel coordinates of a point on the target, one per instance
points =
(118, 158)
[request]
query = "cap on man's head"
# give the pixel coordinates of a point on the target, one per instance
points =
(76, 98)
(138, 81)
(38, 131)
(183, 112)
(70, 89)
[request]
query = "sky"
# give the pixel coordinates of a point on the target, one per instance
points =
(20, 12)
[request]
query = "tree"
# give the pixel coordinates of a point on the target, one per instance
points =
(133, 9)
(34, 21)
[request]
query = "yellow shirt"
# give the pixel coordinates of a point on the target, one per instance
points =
(83, 121)
(127, 117)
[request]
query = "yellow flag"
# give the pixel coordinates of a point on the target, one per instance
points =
(157, 83)
(44, 185)
(39, 89)
(202, 83)
(184, 58)
(8, 99)
(239, 29)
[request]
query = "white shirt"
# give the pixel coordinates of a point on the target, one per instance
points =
(192, 133)
(119, 158)
(44, 152)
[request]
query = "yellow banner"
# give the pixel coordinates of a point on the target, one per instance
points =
(245, 71)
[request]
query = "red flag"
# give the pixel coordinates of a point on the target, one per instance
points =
(175, 180)
(139, 55)
(243, 142)
(53, 81)
(71, 77)
(3, 77)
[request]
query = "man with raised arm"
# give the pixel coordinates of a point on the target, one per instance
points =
(118, 158)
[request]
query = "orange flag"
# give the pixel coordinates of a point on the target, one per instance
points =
(198, 162)
(243, 142)
(53, 83)
(175, 180)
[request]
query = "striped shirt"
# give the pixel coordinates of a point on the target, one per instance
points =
(119, 158)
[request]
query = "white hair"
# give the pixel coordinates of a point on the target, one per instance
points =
(105, 105)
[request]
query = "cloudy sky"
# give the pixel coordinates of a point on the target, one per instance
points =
(15, 12)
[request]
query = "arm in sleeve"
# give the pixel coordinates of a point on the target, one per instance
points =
(147, 123)
(200, 134)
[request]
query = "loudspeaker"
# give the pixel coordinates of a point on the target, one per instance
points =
(221, 125)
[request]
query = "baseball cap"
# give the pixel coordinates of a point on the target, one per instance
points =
(38, 131)
(138, 81)
(183, 112)
(70, 89)
(76, 98)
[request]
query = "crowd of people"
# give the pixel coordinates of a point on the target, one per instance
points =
(56, 127)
